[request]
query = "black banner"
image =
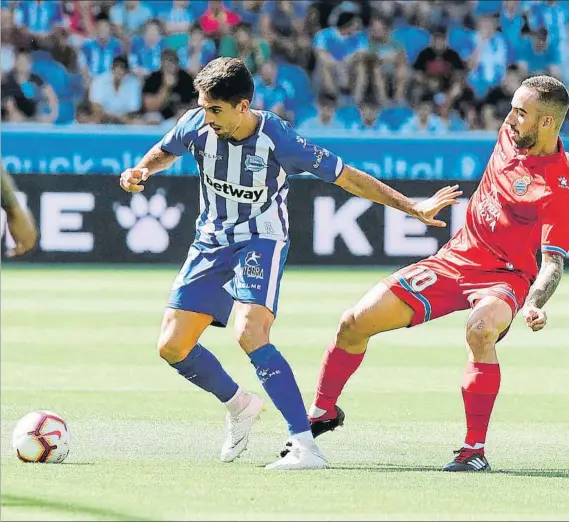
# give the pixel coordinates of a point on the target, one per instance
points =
(84, 218)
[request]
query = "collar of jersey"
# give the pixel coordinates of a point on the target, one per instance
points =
(258, 129)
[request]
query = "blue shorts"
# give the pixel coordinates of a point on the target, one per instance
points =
(212, 278)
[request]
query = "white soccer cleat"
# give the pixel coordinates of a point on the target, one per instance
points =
(238, 428)
(301, 457)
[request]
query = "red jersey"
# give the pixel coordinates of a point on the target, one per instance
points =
(520, 206)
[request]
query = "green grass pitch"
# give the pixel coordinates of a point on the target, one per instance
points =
(145, 443)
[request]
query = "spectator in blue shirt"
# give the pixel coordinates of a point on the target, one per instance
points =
(511, 23)
(269, 96)
(337, 49)
(489, 60)
(146, 50)
(390, 69)
(538, 56)
(199, 51)
(554, 16)
(179, 18)
(129, 16)
(39, 18)
(97, 54)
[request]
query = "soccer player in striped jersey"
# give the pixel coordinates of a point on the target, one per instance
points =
(521, 206)
(244, 157)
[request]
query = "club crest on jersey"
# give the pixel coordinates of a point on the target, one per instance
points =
(520, 185)
(563, 183)
(254, 163)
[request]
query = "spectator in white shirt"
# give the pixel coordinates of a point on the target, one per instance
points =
(115, 96)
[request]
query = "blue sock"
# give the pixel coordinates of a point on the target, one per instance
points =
(278, 380)
(203, 369)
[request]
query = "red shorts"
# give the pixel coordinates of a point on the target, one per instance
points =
(434, 287)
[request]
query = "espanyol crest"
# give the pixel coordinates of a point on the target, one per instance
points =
(520, 185)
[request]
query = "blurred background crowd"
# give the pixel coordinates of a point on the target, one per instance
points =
(376, 66)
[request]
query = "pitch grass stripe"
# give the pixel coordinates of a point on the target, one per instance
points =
(65, 507)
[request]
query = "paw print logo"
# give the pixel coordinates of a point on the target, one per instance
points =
(148, 222)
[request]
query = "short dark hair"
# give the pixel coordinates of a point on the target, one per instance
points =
(121, 60)
(102, 17)
(226, 79)
(551, 93)
(325, 98)
(345, 19)
(169, 54)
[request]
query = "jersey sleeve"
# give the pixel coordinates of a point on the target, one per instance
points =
(297, 155)
(179, 140)
(555, 220)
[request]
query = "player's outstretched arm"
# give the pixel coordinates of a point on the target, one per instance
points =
(20, 222)
(542, 289)
(155, 160)
(365, 186)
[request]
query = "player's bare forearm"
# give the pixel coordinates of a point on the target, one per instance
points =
(546, 281)
(365, 186)
(9, 200)
(156, 160)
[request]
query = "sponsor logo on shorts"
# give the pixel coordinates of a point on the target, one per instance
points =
(254, 163)
(563, 183)
(251, 268)
(235, 192)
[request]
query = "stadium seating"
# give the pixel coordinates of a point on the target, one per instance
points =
(395, 117)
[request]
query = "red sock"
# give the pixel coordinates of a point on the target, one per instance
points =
(336, 368)
(480, 386)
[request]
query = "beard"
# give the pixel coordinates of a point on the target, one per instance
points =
(527, 140)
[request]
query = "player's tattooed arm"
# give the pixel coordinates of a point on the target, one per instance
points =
(9, 201)
(156, 160)
(546, 281)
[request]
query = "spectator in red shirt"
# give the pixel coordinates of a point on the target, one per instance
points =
(218, 20)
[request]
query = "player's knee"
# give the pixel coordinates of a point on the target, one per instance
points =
(481, 336)
(172, 350)
(252, 332)
(349, 329)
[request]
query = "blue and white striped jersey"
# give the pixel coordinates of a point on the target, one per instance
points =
(244, 183)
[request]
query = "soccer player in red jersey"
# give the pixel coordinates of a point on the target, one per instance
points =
(520, 206)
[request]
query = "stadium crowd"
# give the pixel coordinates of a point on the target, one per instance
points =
(373, 66)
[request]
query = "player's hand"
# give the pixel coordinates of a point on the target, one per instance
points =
(130, 179)
(535, 318)
(23, 229)
(426, 210)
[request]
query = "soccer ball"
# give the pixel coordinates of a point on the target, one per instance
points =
(41, 436)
